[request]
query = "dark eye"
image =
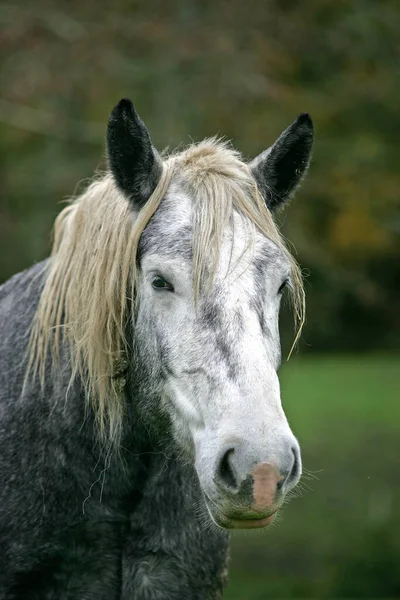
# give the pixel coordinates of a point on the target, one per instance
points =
(284, 284)
(159, 283)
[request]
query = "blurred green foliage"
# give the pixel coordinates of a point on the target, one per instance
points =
(195, 68)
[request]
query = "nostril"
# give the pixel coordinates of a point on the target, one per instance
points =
(226, 474)
(296, 467)
(290, 476)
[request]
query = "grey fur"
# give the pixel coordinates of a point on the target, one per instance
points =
(76, 522)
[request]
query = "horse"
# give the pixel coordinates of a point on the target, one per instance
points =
(141, 418)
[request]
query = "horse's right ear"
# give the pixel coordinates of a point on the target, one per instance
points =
(279, 170)
(133, 161)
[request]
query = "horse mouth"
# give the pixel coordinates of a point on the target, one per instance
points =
(229, 522)
(249, 523)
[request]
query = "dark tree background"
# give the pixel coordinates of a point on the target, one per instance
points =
(244, 69)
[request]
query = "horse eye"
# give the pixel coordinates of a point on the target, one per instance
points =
(159, 283)
(284, 284)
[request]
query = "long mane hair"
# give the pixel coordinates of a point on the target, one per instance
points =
(87, 300)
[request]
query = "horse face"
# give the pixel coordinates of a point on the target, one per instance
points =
(212, 365)
(216, 363)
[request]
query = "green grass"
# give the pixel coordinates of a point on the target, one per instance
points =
(340, 539)
(353, 391)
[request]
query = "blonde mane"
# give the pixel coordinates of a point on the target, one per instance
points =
(87, 299)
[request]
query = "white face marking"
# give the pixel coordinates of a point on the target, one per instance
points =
(219, 363)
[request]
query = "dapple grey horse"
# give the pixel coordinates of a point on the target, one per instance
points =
(140, 412)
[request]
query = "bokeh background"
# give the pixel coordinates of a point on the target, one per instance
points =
(245, 69)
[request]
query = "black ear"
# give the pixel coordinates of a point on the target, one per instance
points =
(279, 170)
(133, 161)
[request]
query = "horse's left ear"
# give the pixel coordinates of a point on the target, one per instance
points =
(279, 170)
(133, 161)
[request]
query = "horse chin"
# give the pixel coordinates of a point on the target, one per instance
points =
(225, 521)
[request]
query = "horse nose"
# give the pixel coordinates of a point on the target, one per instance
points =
(257, 483)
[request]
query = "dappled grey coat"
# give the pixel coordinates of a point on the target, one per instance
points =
(58, 541)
